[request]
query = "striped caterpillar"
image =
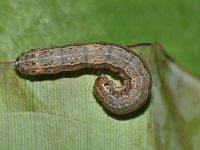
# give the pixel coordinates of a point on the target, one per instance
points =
(130, 66)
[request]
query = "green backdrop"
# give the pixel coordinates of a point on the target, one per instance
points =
(175, 23)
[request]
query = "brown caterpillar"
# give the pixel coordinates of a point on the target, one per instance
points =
(130, 66)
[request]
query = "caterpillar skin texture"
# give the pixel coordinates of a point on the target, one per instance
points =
(130, 66)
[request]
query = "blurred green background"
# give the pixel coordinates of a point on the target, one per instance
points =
(174, 24)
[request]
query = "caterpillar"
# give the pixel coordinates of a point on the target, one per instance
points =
(129, 65)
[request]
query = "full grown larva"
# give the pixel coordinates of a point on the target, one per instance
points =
(130, 66)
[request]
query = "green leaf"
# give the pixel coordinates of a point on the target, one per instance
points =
(60, 112)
